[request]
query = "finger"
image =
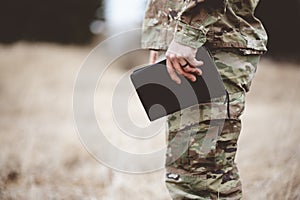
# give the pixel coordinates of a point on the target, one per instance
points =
(193, 70)
(184, 65)
(182, 61)
(180, 70)
(194, 62)
(172, 73)
(153, 56)
(188, 68)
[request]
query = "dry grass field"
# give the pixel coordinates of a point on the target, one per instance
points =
(41, 156)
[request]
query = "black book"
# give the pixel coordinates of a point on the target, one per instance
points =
(161, 96)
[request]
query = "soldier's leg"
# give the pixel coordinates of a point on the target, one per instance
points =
(212, 175)
(198, 175)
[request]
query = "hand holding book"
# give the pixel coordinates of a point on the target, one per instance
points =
(181, 59)
(155, 86)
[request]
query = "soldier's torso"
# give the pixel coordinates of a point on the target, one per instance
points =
(236, 27)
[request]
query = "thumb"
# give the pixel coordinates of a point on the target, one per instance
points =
(194, 62)
(153, 56)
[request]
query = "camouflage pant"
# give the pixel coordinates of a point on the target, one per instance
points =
(194, 173)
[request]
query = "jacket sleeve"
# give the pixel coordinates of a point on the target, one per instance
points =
(159, 23)
(194, 18)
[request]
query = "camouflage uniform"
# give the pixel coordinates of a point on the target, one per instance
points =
(236, 40)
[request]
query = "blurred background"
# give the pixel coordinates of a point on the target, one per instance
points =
(42, 46)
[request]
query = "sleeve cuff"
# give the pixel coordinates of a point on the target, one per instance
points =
(190, 36)
(157, 38)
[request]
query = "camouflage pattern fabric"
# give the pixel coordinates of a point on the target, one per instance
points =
(211, 175)
(216, 23)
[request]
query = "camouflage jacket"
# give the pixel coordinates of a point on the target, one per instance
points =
(215, 23)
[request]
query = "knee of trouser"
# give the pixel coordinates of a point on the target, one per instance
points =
(205, 147)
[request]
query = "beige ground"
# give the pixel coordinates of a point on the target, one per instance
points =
(41, 156)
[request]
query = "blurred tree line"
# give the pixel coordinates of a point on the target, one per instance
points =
(281, 20)
(68, 21)
(62, 21)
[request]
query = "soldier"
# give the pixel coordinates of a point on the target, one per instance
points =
(236, 39)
